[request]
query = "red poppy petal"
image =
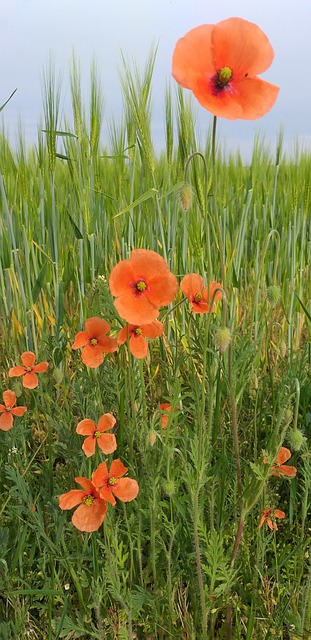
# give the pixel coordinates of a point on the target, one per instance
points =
(96, 327)
(86, 427)
(287, 470)
(92, 356)
(6, 421)
(193, 55)
(107, 443)
(100, 475)
(88, 446)
(89, 518)
(255, 96)
(191, 284)
(108, 345)
(106, 494)
(138, 346)
(279, 514)
(153, 330)
(283, 455)
(105, 422)
(71, 498)
(117, 469)
(9, 398)
(80, 340)
(2, 408)
(87, 485)
(41, 367)
(136, 309)
(242, 46)
(162, 289)
(18, 411)
(16, 371)
(30, 380)
(147, 264)
(123, 333)
(223, 104)
(28, 358)
(126, 489)
(121, 277)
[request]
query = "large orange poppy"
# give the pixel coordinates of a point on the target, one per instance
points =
(29, 370)
(220, 63)
(110, 483)
(138, 335)
(94, 342)
(97, 433)
(92, 510)
(8, 410)
(142, 284)
(199, 296)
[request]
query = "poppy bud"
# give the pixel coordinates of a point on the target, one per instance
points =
(185, 196)
(296, 439)
(288, 416)
(58, 375)
(223, 338)
(152, 436)
(17, 388)
(283, 348)
(169, 488)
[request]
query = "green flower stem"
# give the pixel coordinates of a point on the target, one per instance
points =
(195, 504)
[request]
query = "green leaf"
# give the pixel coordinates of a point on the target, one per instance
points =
(39, 283)
(146, 196)
(6, 102)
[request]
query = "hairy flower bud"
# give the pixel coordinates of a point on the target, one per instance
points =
(273, 295)
(296, 439)
(152, 436)
(185, 196)
(223, 338)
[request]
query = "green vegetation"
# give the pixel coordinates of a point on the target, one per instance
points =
(186, 559)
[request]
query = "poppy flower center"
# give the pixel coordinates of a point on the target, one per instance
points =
(97, 434)
(222, 78)
(197, 297)
(89, 501)
(8, 408)
(28, 369)
(93, 342)
(138, 331)
(112, 481)
(140, 286)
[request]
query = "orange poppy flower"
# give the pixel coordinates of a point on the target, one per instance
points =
(269, 518)
(141, 285)
(165, 408)
(220, 63)
(106, 441)
(200, 297)
(138, 335)
(110, 483)
(94, 342)
(29, 370)
(279, 468)
(9, 410)
(92, 510)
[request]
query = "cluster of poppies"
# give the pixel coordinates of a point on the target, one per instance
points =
(28, 370)
(278, 469)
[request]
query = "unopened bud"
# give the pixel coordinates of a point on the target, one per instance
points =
(152, 436)
(288, 416)
(186, 197)
(283, 348)
(58, 375)
(296, 439)
(17, 388)
(169, 488)
(223, 338)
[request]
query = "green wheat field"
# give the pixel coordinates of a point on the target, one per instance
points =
(186, 559)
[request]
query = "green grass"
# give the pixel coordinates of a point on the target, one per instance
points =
(171, 563)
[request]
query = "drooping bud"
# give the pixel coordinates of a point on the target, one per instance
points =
(296, 439)
(169, 487)
(152, 436)
(185, 196)
(223, 338)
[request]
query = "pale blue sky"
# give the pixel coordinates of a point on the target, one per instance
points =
(31, 30)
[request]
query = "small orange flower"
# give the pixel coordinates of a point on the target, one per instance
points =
(279, 468)
(110, 483)
(165, 408)
(29, 370)
(269, 518)
(219, 64)
(137, 336)
(90, 514)
(142, 284)
(9, 410)
(106, 441)
(200, 297)
(94, 342)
